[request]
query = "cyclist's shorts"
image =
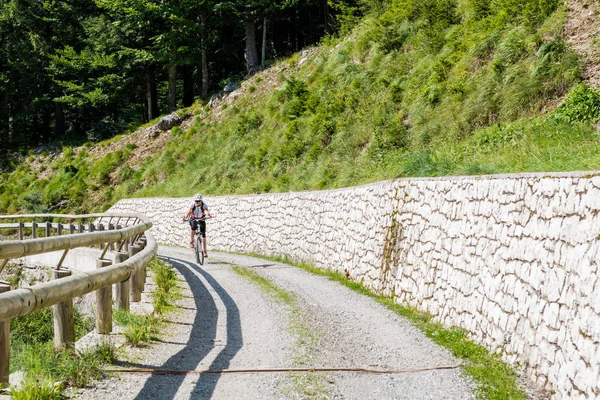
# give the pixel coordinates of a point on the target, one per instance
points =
(194, 224)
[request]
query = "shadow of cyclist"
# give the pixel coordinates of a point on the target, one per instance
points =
(201, 341)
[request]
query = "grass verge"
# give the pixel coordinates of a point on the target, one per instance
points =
(494, 378)
(141, 329)
(301, 385)
(49, 372)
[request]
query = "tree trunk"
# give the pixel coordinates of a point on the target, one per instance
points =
(59, 119)
(326, 15)
(264, 43)
(251, 53)
(172, 96)
(11, 127)
(188, 87)
(151, 98)
(45, 124)
(203, 56)
(45, 129)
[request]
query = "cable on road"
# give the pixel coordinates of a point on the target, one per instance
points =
(277, 370)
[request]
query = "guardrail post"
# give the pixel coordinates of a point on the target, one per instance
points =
(112, 245)
(136, 278)
(48, 228)
(71, 228)
(59, 229)
(20, 230)
(100, 228)
(64, 320)
(4, 343)
(33, 229)
(122, 289)
(142, 242)
(104, 304)
(80, 228)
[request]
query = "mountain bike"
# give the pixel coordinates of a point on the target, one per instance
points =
(198, 246)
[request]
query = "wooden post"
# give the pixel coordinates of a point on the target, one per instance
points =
(59, 229)
(111, 246)
(104, 304)
(48, 228)
(122, 289)
(64, 320)
(71, 228)
(144, 270)
(80, 228)
(33, 229)
(4, 343)
(20, 231)
(136, 277)
(101, 228)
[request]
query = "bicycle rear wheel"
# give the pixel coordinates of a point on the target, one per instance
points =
(198, 250)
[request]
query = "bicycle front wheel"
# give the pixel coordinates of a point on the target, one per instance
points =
(198, 250)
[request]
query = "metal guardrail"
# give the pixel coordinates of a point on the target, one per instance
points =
(106, 232)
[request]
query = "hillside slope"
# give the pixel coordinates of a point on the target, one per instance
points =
(417, 88)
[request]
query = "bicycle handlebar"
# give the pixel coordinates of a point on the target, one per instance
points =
(197, 219)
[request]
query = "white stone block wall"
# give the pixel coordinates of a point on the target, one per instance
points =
(511, 258)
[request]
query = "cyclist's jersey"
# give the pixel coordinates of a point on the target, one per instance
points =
(198, 212)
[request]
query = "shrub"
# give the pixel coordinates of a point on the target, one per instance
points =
(139, 329)
(124, 173)
(582, 104)
(294, 95)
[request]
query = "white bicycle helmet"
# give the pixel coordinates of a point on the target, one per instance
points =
(197, 197)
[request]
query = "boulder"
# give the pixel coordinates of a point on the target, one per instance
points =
(153, 133)
(230, 87)
(168, 122)
(215, 98)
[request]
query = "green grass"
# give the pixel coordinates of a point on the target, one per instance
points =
(167, 291)
(142, 329)
(280, 295)
(138, 329)
(37, 328)
(494, 378)
(48, 372)
(299, 385)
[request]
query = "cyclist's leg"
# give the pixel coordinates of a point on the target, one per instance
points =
(203, 234)
(192, 230)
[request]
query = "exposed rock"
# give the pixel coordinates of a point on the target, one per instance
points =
(216, 98)
(153, 132)
(230, 87)
(168, 122)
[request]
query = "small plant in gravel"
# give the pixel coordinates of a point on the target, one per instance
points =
(49, 371)
(138, 329)
(37, 388)
(141, 329)
(167, 291)
(495, 379)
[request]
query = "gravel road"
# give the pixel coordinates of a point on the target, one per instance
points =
(225, 321)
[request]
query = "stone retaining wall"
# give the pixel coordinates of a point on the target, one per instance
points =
(511, 258)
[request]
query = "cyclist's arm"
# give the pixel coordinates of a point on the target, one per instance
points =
(189, 214)
(207, 212)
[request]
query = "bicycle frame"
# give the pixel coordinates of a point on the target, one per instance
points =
(198, 242)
